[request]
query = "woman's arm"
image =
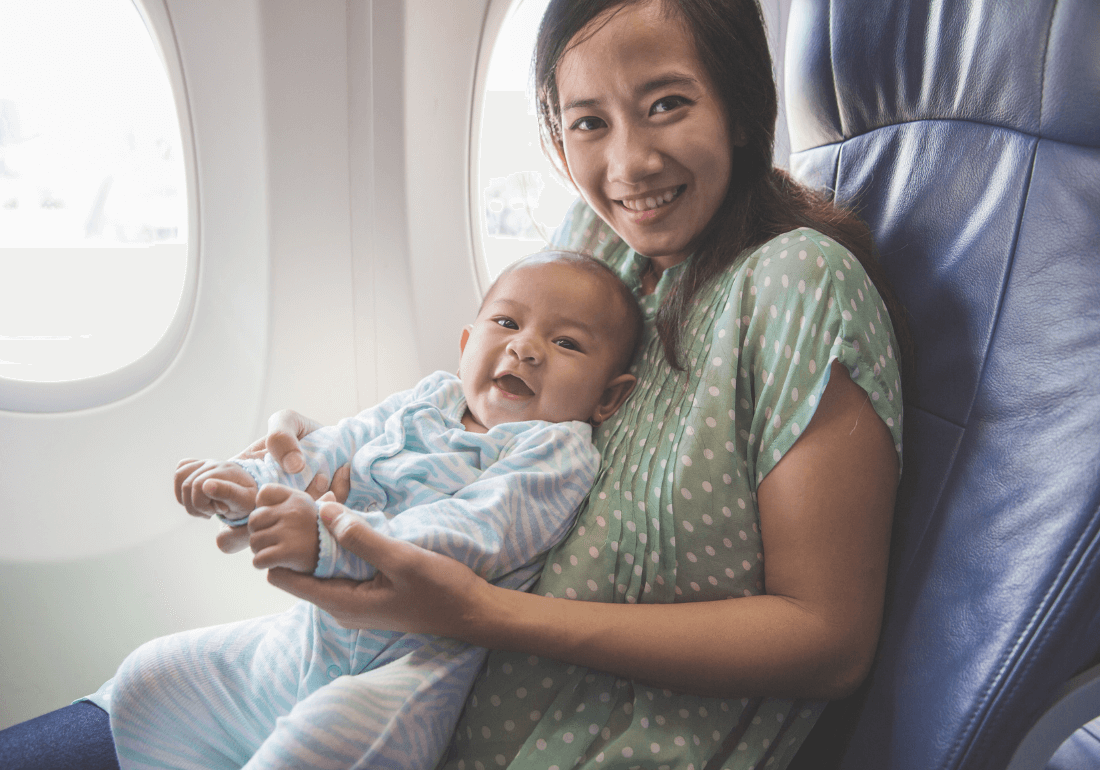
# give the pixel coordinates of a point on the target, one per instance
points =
(826, 511)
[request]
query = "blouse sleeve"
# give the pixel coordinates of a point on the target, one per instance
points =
(808, 302)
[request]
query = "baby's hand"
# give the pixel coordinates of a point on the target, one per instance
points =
(208, 487)
(284, 530)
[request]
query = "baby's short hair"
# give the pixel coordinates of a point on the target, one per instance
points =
(629, 333)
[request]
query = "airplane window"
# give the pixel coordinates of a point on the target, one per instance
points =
(93, 193)
(523, 198)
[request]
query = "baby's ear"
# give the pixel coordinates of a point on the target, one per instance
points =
(612, 398)
(462, 347)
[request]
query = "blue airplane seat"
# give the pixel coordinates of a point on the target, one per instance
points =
(967, 134)
(1081, 751)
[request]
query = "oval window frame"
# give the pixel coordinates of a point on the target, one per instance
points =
(99, 390)
(497, 13)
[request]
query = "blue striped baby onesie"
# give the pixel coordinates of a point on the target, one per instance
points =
(295, 689)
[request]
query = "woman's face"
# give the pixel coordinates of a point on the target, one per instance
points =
(644, 133)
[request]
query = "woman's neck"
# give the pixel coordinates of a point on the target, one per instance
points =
(655, 268)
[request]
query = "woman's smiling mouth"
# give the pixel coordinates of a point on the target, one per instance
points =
(651, 202)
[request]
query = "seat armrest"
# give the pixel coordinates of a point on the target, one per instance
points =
(1076, 705)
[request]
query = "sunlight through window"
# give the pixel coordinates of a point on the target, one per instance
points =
(93, 193)
(523, 198)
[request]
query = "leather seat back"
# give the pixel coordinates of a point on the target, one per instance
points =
(967, 134)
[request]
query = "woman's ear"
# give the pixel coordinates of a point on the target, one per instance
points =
(612, 398)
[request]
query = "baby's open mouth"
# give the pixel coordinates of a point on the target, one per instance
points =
(514, 385)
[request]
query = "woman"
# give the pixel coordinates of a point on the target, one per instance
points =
(726, 574)
(757, 460)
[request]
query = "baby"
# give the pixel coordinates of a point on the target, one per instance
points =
(488, 467)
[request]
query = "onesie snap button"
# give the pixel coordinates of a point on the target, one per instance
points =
(334, 671)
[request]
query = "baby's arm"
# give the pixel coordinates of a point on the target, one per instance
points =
(327, 449)
(281, 522)
(283, 529)
(501, 523)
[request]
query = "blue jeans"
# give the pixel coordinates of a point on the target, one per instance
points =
(77, 737)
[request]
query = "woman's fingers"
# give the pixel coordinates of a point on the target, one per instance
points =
(354, 535)
(254, 451)
(318, 486)
(339, 488)
(350, 603)
(232, 539)
(284, 428)
(414, 590)
(341, 483)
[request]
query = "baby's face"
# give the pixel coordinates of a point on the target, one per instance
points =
(544, 347)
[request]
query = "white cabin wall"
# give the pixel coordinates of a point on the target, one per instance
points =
(304, 299)
(387, 351)
(97, 557)
(443, 41)
(311, 359)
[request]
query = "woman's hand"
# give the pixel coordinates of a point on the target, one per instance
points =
(415, 590)
(284, 430)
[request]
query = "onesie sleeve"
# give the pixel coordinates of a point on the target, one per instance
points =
(806, 303)
(500, 524)
(327, 449)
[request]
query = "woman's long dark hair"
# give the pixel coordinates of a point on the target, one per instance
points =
(762, 201)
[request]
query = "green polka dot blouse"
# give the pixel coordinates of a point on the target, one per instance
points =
(672, 516)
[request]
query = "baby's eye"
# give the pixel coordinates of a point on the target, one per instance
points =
(667, 104)
(507, 323)
(587, 123)
(568, 344)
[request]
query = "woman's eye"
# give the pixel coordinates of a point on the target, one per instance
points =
(586, 124)
(667, 104)
(567, 344)
(507, 323)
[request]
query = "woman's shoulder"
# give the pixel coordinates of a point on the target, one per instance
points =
(806, 301)
(806, 254)
(804, 268)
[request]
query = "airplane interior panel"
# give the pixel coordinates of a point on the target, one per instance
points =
(317, 223)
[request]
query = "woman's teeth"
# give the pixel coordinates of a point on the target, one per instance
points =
(653, 201)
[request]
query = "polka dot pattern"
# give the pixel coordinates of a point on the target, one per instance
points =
(673, 517)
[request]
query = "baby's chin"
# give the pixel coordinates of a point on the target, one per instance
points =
(498, 418)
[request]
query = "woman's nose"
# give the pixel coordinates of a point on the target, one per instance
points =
(632, 156)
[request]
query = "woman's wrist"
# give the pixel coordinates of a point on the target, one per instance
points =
(517, 621)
